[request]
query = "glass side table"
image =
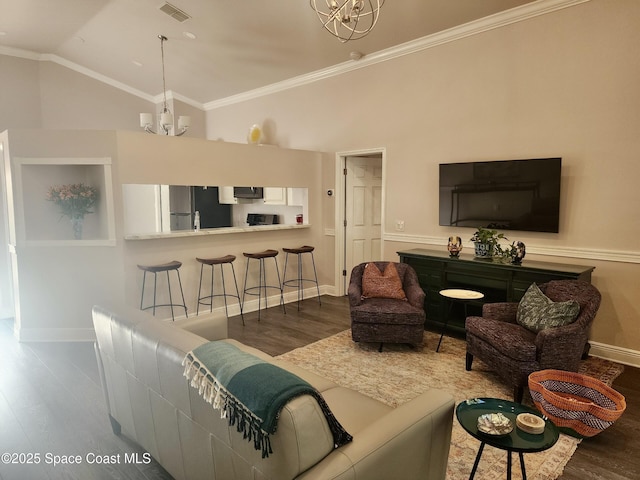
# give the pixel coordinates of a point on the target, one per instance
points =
(468, 411)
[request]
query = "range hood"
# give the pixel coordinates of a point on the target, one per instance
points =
(247, 192)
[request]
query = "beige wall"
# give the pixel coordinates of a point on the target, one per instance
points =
(58, 284)
(561, 84)
(19, 93)
(59, 281)
(189, 161)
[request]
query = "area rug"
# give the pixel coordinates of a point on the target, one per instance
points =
(400, 373)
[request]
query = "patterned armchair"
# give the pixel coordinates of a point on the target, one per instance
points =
(387, 320)
(513, 352)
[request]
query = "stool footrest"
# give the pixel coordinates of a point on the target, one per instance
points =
(288, 283)
(248, 290)
(165, 305)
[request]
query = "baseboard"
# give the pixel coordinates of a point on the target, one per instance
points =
(625, 356)
(88, 334)
(55, 335)
(289, 297)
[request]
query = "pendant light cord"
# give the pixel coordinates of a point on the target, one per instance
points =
(164, 83)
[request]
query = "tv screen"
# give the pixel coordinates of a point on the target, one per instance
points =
(502, 195)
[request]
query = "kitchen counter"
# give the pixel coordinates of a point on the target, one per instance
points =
(213, 231)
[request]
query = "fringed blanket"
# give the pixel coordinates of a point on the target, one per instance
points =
(250, 392)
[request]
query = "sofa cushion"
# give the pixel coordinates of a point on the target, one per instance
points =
(387, 311)
(377, 284)
(509, 338)
(341, 401)
(537, 312)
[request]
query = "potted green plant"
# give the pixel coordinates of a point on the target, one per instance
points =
(487, 243)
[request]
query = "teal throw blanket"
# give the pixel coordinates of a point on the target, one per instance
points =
(250, 392)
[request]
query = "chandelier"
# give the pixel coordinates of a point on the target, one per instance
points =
(347, 19)
(165, 120)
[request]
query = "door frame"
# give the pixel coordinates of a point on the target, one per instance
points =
(340, 214)
(8, 250)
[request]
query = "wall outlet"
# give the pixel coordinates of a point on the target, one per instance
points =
(400, 225)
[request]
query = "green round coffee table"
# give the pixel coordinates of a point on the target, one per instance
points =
(518, 440)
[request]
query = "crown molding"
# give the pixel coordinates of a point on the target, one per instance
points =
(48, 57)
(498, 20)
(181, 98)
(18, 52)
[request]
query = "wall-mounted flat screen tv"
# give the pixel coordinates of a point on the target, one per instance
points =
(502, 195)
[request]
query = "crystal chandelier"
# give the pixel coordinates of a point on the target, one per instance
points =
(166, 118)
(347, 19)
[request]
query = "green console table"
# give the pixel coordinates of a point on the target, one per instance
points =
(499, 282)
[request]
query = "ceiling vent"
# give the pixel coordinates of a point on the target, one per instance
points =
(175, 12)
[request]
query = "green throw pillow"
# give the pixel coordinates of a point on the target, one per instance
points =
(536, 311)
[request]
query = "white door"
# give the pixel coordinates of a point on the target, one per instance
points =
(363, 210)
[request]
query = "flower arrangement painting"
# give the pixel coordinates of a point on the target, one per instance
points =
(75, 201)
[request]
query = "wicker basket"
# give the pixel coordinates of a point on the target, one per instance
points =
(583, 405)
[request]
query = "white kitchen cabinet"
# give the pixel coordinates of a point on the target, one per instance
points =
(275, 196)
(225, 195)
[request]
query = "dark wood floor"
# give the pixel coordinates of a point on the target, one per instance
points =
(51, 402)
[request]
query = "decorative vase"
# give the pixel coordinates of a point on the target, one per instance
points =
(518, 251)
(454, 246)
(255, 135)
(77, 221)
(483, 250)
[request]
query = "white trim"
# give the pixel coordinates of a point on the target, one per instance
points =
(20, 53)
(625, 356)
(339, 219)
(567, 252)
(475, 27)
(176, 96)
(105, 162)
(48, 57)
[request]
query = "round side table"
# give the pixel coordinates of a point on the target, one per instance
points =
(457, 295)
(468, 411)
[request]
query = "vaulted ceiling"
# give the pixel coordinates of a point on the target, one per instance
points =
(239, 45)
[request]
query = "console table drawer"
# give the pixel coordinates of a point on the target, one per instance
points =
(474, 279)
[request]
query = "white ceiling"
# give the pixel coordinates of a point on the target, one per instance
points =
(240, 45)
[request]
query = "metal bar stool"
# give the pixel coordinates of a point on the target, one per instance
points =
(221, 261)
(155, 269)
(262, 279)
(299, 281)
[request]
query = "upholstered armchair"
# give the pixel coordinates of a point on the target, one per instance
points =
(513, 351)
(377, 318)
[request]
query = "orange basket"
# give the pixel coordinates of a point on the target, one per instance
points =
(582, 405)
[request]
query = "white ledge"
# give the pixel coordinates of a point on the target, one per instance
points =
(213, 231)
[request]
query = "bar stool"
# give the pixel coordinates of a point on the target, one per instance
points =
(155, 269)
(221, 261)
(299, 282)
(262, 279)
